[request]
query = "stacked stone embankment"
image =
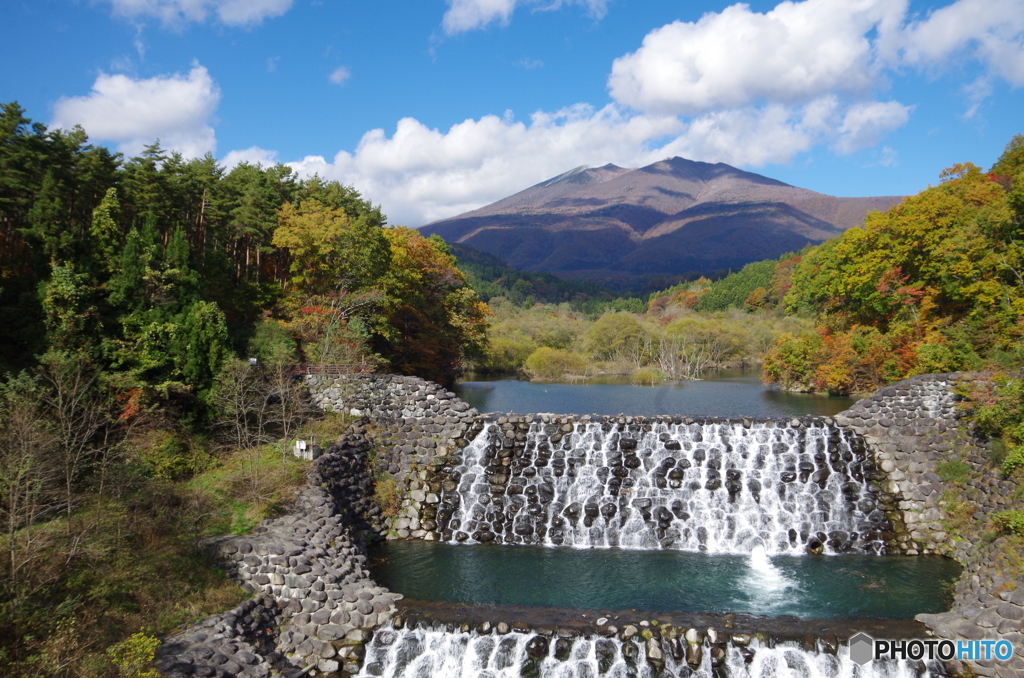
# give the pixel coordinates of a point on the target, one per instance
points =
(416, 426)
(913, 427)
(315, 603)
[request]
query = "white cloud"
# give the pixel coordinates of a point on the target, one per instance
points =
(775, 134)
(990, 31)
(176, 109)
(339, 75)
(865, 123)
(254, 155)
(177, 12)
(792, 54)
(467, 15)
(886, 158)
(530, 64)
(421, 174)
(800, 51)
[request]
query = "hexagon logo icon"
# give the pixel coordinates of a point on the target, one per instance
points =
(862, 649)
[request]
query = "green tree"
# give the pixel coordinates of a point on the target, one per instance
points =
(330, 250)
(108, 239)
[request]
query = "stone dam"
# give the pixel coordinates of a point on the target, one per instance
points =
(863, 481)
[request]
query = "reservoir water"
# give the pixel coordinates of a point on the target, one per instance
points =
(723, 393)
(807, 586)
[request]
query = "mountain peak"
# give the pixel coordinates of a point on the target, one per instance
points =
(705, 171)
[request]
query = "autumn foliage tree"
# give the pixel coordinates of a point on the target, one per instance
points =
(359, 289)
(934, 284)
(431, 321)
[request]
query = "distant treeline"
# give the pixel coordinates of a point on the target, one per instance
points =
(491, 276)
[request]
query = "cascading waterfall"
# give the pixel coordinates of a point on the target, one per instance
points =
(433, 653)
(715, 486)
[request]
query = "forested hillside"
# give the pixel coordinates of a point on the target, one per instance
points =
(157, 267)
(935, 284)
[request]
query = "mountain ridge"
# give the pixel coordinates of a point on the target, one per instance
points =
(673, 218)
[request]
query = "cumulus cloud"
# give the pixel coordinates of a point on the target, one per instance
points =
(254, 155)
(866, 123)
(176, 109)
(467, 15)
(792, 54)
(177, 12)
(799, 51)
(420, 174)
(339, 75)
(989, 31)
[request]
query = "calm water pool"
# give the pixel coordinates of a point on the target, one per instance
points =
(725, 393)
(888, 587)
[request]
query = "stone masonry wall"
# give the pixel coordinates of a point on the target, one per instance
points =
(416, 425)
(315, 602)
(912, 427)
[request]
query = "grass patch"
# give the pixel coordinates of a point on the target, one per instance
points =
(117, 566)
(387, 496)
(1012, 461)
(245, 489)
(955, 471)
(959, 515)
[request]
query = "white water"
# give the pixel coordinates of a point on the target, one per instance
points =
(425, 653)
(716, 487)
(768, 589)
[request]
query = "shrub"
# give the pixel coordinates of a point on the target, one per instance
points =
(554, 363)
(386, 496)
(171, 456)
(1013, 460)
(646, 375)
(1010, 521)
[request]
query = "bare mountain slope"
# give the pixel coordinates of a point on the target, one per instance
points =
(673, 218)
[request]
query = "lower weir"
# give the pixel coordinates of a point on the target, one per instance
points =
(433, 651)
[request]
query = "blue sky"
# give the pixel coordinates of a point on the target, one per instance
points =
(434, 107)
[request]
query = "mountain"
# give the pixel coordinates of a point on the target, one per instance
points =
(632, 228)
